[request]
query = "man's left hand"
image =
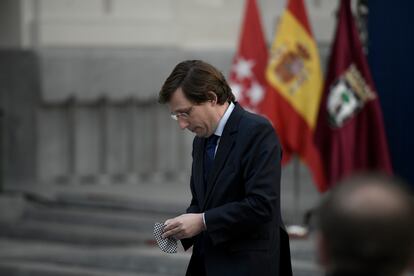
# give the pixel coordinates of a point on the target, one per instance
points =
(184, 226)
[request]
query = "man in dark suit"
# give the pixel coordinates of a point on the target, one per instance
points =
(234, 219)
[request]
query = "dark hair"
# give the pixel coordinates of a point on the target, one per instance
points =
(196, 78)
(359, 239)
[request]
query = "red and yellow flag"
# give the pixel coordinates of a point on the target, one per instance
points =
(295, 85)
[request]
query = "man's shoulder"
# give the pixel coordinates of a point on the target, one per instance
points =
(252, 124)
(249, 120)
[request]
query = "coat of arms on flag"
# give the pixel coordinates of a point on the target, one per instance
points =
(347, 96)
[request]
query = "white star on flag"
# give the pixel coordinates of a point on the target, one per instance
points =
(237, 90)
(243, 68)
(256, 93)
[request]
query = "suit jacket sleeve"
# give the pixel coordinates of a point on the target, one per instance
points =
(193, 208)
(260, 167)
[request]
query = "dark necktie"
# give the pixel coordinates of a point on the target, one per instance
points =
(209, 155)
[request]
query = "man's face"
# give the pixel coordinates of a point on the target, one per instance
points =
(197, 118)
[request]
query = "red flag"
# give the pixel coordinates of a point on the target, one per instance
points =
(295, 87)
(247, 78)
(350, 130)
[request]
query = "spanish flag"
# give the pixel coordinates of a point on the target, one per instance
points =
(295, 83)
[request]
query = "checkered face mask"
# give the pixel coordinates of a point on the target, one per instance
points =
(168, 245)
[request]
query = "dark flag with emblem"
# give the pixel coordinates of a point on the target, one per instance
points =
(350, 130)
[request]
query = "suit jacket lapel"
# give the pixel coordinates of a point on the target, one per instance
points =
(226, 143)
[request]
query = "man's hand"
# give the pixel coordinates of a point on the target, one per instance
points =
(184, 226)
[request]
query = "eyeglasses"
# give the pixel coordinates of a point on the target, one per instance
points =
(185, 115)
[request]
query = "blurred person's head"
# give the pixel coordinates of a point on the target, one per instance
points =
(366, 227)
(197, 95)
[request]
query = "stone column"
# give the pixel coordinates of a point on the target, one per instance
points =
(19, 90)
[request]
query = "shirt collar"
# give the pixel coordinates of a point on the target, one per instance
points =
(223, 120)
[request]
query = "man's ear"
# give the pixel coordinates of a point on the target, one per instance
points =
(212, 97)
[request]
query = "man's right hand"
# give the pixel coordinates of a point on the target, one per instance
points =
(184, 226)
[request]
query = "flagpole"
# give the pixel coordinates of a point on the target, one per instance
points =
(296, 229)
(296, 189)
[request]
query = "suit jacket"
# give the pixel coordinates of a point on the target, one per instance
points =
(241, 202)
